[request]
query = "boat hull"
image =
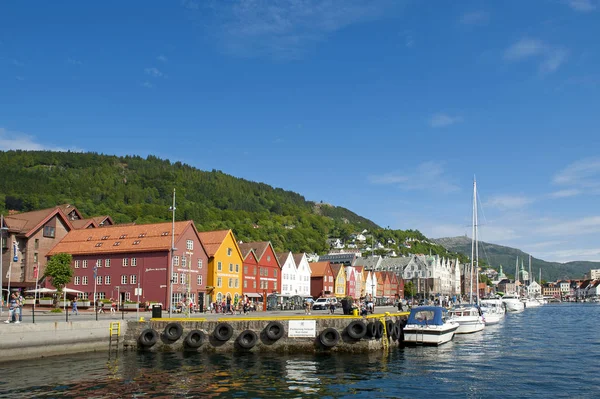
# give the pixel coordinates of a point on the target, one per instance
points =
(513, 305)
(469, 324)
(429, 335)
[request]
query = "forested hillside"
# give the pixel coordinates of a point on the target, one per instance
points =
(497, 255)
(134, 189)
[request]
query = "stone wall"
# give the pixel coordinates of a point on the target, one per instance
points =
(285, 344)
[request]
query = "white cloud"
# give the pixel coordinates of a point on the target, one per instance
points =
(551, 57)
(443, 120)
(475, 18)
(568, 255)
(565, 193)
(584, 173)
(427, 176)
(162, 58)
(11, 140)
(147, 85)
(284, 28)
(583, 226)
(582, 5)
(154, 72)
(509, 202)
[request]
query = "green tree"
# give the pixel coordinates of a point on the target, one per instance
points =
(59, 270)
(409, 290)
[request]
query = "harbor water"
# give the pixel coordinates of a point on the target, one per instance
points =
(551, 351)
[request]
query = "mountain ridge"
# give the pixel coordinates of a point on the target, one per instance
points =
(496, 255)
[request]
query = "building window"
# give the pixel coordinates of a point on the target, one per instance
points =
(123, 279)
(219, 266)
(76, 264)
(274, 285)
(183, 279)
(128, 296)
(175, 278)
(230, 283)
(77, 280)
(189, 244)
(219, 282)
(237, 283)
(107, 280)
(199, 279)
(98, 244)
(183, 262)
(99, 262)
(176, 260)
(231, 267)
(35, 257)
(133, 262)
(99, 280)
(237, 268)
(255, 270)
(275, 273)
(106, 262)
(84, 264)
(84, 280)
(245, 283)
(254, 284)
(133, 279)
(36, 244)
(268, 258)
(229, 250)
(199, 263)
(49, 231)
(125, 262)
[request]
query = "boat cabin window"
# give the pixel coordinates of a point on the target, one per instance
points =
(424, 315)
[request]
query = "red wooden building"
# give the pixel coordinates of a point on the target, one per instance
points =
(261, 269)
(322, 279)
(126, 257)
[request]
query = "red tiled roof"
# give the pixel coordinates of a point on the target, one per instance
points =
(130, 238)
(319, 268)
(26, 222)
(212, 240)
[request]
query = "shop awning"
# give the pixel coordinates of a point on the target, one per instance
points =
(253, 295)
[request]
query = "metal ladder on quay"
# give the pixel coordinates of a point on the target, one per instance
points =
(114, 334)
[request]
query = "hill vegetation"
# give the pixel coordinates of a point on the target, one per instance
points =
(497, 255)
(134, 189)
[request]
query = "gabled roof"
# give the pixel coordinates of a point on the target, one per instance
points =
(298, 258)
(246, 249)
(121, 238)
(319, 268)
(259, 248)
(68, 208)
(83, 223)
(27, 223)
(212, 240)
(335, 268)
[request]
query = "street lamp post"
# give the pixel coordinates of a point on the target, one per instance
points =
(2, 228)
(172, 209)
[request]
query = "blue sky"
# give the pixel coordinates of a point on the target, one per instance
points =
(388, 108)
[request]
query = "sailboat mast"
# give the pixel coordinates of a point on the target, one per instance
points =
(517, 276)
(476, 246)
(531, 279)
(473, 242)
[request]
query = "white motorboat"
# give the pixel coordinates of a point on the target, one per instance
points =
(512, 303)
(531, 303)
(429, 325)
(468, 317)
(493, 310)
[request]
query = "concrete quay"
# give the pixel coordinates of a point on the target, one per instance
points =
(53, 335)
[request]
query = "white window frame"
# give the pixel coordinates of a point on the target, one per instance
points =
(106, 280)
(189, 244)
(123, 279)
(84, 280)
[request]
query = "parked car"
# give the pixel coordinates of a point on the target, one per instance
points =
(323, 303)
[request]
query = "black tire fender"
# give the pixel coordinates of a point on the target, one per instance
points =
(395, 335)
(173, 331)
(194, 339)
(223, 331)
(371, 330)
(247, 339)
(356, 329)
(389, 326)
(148, 338)
(274, 330)
(378, 329)
(329, 337)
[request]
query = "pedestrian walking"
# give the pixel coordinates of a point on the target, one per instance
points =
(12, 306)
(74, 306)
(113, 306)
(20, 302)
